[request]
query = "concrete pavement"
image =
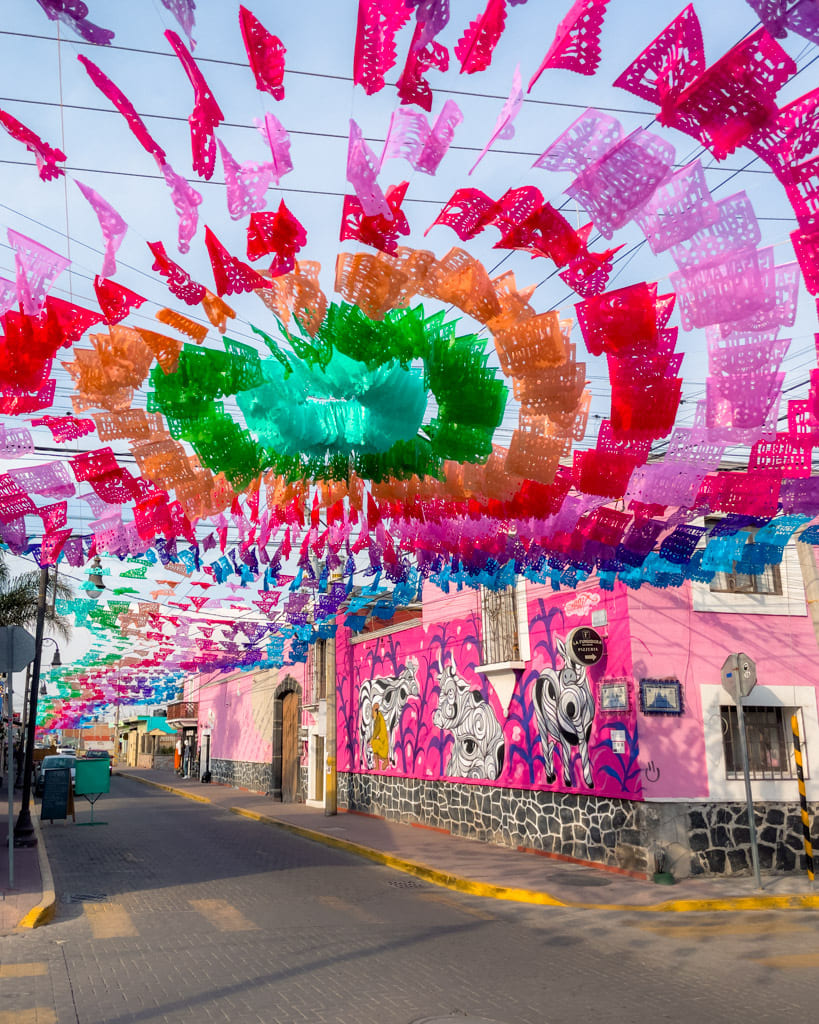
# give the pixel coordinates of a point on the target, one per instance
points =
(452, 862)
(30, 901)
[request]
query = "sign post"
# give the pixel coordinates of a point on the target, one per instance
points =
(739, 679)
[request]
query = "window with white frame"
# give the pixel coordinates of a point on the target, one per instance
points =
(500, 631)
(769, 739)
(767, 582)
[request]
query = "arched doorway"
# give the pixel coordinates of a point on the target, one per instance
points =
(286, 753)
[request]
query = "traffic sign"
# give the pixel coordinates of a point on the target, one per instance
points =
(16, 648)
(738, 675)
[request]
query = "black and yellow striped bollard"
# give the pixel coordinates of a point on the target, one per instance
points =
(803, 801)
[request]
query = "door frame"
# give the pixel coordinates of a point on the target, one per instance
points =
(287, 685)
(205, 748)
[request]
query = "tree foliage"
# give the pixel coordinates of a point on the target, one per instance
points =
(19, 597)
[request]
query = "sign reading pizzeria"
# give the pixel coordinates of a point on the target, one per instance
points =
(584, 645)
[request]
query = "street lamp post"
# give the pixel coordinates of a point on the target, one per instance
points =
(18, 780)
(24, 829)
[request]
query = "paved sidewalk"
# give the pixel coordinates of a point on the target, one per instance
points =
(493, 871)
(30, 901)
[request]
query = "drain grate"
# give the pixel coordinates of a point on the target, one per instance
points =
(406, 883)
(85, 897)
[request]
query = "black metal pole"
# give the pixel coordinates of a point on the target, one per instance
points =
(18, 781)
(24, 829)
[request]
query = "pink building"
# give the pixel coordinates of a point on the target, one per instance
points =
(590, 723)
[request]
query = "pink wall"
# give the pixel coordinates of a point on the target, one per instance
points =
(670, 639)
(238, 709)
(450, 724)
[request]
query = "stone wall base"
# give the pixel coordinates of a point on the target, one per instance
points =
(252, 775)
(584, 828)
(714, 838)
(643, 837)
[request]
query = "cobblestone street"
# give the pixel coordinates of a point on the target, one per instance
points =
(177, 911)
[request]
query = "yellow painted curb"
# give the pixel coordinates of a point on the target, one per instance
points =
(47, 907)
(501, 892)
(168, 789)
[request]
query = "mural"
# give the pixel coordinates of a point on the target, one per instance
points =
(564, 708)
(478, 748)
(380, 703)
(443, 720)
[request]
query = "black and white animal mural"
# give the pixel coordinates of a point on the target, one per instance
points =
(564, 708)
(479, 748)
(390, 694)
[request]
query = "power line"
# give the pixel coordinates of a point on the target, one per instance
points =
(315, 74)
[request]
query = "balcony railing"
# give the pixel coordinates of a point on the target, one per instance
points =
(183, 709)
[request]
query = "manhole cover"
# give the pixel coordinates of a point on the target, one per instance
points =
(406, 883)
(86, 897)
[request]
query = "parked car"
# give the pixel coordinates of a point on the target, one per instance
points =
(67, 751)
(54, 761)
(95, 755)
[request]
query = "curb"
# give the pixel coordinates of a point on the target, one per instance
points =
(168, 789)
(501, 892)
(410, 867)
(47, 907)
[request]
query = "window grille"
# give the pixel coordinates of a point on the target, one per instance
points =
(316, 675)
(320, 670)
(769, 739)
(499, 616)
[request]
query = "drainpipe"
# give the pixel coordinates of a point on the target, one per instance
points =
(330, 778)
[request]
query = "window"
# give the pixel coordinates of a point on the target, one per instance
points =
(767, 582)
(769, 739)
(316, 673)
(499, 618)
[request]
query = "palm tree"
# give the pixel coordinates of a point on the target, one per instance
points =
(19, 597)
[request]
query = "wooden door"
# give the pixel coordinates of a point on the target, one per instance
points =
(290, 747)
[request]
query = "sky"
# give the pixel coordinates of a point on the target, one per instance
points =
(44, 85)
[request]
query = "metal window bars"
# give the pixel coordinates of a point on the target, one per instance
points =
(500, 626)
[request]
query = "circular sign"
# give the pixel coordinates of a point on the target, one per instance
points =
(584, 645)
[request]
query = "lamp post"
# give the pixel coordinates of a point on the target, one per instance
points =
(24, 829)
(18, 779)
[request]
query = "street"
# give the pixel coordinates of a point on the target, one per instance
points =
(180, 911)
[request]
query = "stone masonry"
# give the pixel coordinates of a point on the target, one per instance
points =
(690, 839)
(603, 831)
(251, 775)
